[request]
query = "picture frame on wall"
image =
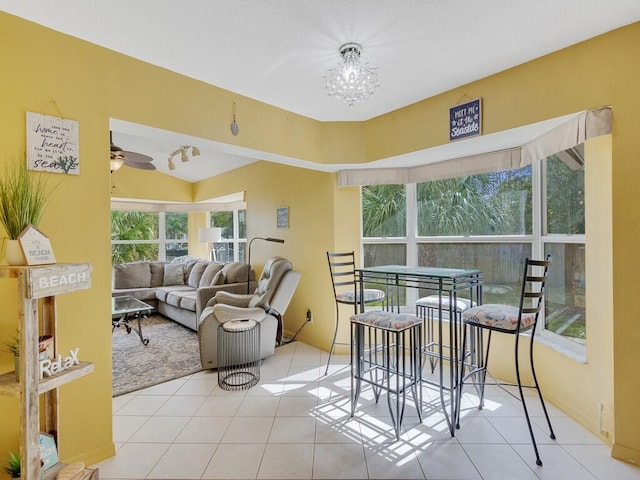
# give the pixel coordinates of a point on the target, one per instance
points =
(282, 217)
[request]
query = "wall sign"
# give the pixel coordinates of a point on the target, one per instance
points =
(282, 217)
(36, 247)
(465, 120)
(52, 144)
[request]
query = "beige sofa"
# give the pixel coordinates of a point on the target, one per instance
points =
(180, 289)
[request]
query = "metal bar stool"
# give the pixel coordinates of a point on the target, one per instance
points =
(514, 321)
(430, 309)
(386, 354)
(346, 290)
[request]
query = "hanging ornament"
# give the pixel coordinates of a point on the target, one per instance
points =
(234, 125)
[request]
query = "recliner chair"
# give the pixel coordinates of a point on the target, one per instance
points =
(266, 305)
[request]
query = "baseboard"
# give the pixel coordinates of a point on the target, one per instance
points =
(94, 456)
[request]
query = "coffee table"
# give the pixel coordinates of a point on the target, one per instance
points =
(127, 308)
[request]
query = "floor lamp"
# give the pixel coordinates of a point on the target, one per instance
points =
(211, 235)
(266, 239)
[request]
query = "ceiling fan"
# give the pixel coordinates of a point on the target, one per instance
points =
(120, 157)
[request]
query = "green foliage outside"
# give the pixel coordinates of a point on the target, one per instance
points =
(133, 226)
(491, 204)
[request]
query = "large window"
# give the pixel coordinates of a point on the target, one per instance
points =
(134, 236)
(137, 236)
(234, 235)
(492, 222)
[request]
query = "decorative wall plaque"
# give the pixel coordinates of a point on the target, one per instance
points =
(36, 247)
(52, 144)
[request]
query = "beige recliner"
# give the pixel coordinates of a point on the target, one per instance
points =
(266, 305)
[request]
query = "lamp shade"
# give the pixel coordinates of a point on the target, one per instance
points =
(210, 235)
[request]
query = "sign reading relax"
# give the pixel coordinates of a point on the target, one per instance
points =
(50, 366)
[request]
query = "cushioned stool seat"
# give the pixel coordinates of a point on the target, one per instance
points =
(433, 301)
(386, 354)
(498, 317)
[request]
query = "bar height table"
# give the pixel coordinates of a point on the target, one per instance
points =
(447, 283)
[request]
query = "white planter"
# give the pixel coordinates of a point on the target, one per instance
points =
(13, 253)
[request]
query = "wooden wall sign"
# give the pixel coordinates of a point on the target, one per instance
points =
(52, 144)
(60, 278)
(36, 247)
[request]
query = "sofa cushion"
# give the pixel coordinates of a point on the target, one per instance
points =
(144, 294)
(182, 299)
(163, 292)
(188, 301)
(157, 273)
(209, 274)
(173, 274)
(196, 274)
(188, 265)
(218, 279)
(132, 275)
(235, 272)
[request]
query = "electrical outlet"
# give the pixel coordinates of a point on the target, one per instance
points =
(309, 316)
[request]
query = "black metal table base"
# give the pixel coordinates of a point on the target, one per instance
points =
(124, 320)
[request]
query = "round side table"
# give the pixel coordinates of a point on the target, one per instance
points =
(238, 354)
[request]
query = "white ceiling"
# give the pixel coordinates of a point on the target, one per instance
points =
(278, 51)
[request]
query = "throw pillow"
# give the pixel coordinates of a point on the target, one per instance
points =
(157, 273)
(173, 274)
(196, 273)
(132, 275)
(209, 274)
(218, 279)
(235, 272)
(187, 266)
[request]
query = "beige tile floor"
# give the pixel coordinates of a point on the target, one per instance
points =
(296, 424)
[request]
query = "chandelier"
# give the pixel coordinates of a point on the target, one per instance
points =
(351, 81)
(182, 151)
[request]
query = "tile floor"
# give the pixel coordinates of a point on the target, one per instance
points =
(295, 424)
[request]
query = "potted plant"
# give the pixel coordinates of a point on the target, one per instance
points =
(12, 467)
(23, 198)
(13, 346)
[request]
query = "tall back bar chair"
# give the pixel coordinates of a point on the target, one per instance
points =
(346, 289)
(512, 321)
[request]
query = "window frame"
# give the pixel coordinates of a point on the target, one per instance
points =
(536, 239)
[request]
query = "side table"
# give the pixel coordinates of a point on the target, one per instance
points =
(238, 354)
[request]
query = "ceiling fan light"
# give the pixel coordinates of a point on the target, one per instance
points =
(172, 166)
(115, 162)
(195, 151)
(183, 155)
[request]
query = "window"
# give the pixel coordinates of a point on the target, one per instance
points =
(137, 236)
(564, 239)
(234, 235)
(491, 221)
(134, 236)
(176, 234)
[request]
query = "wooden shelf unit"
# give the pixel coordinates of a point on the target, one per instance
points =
(37, 290)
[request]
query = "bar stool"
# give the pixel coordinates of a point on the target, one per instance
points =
(511, 320)
(428, 309)
(346, 289)
(386, 354)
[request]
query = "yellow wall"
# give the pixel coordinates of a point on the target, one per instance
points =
(91, 84)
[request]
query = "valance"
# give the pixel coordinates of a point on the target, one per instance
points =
(576, 129)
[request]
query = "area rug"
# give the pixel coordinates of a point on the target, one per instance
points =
(172, 352)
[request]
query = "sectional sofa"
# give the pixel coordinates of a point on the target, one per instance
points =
(180, 289)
